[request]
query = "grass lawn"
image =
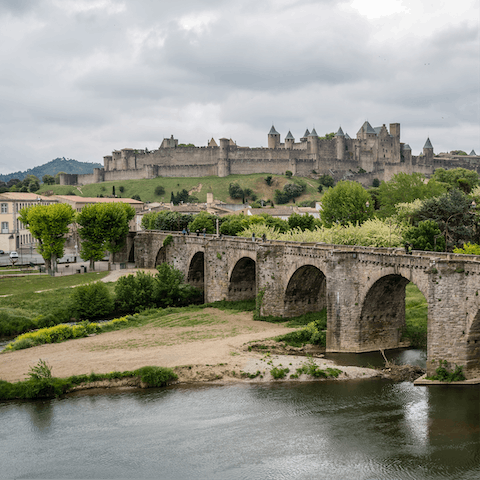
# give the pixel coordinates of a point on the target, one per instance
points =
(198, 186)
(23, 285)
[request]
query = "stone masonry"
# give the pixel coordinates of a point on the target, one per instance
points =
(363, 288)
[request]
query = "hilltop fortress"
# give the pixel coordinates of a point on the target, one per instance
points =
(374, 153)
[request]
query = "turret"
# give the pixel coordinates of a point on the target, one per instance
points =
(406, 153)
(289, 141)
(273, 138)
(428, 150)
(472, 153)
(305, 136)
(340, 141)
(223, 162)
(312, 140)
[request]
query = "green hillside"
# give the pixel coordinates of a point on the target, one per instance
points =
(52, 168)
(197, 186)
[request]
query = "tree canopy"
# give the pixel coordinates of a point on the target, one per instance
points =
(347, 202)
(103, 227)
(404, 187)
(48, 224)
(461, 178)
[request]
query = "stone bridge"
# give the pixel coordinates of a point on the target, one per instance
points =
(363, 288)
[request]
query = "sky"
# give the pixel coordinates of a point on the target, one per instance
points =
(81, 78)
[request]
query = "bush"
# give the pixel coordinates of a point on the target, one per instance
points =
(235, 190)
(443, 375)
(159, 190)
(134, 293)
(91, 301)
(288, 174)
(156, 376)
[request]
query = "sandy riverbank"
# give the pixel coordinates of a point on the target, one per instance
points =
(208, 352)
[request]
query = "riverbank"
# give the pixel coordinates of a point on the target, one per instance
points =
(214, 348)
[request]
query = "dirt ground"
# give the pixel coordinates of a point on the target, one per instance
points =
(214, 350)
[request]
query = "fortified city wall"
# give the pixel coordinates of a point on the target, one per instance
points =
(374, 153)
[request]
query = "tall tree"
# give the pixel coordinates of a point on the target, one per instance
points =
(404, 188)
(103, 227)
(347, 202)
(48, 224)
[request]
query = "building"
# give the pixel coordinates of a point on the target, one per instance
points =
(13, 234)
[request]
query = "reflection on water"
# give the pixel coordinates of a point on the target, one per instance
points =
(410, 356)
(334, 430)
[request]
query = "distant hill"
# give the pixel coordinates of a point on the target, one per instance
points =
(52, 168)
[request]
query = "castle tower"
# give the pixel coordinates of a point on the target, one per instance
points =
(340, 141)
(305, 136)
(289, 141)
(223, 162)
(273, 138)
(312, 140)
(472, 153)
(395, 130)
(406, 154)
(428, 150)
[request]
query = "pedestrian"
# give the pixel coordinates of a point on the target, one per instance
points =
(184, 231)
(264, 238)
(197, 231)
(204, 231)
(253, 236)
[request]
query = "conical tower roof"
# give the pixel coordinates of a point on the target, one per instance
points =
(306, 134)
(340, 133)
(366, 127)
(407, 147)
(428, 144)
(347, 136)
(313, 133)
(289, 136)
(472, 153)
(273, 131)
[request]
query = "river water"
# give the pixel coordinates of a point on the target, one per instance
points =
(364, 429)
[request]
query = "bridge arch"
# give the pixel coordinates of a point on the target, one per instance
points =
(472, 366)
(161, 256)
(196, 271)
(382, 318)
(305, 292)
(243, 280)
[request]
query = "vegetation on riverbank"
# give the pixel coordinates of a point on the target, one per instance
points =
(41, 383)
(443, 374)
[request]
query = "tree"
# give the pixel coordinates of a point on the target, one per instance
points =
(427, 236)
(288, 174)
(347, 202)
(303, 222)
(326, 181)
(103, 227)
(159, 190)
(235, 190)
(48, 180)
(268, 180)
(204, 220)
(455, 216)
(48, 224)
(404, 187)
(461, 178)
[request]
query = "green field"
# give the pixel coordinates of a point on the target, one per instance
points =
(198, 186)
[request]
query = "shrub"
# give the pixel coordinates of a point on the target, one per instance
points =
(91, 301)
(235, 190)
(268, 180)
(288, 174)
(134, 293)
(156, 376)
(159, 190)
(278, 373)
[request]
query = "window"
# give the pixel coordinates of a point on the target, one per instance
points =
(4, 227)
(4, 207)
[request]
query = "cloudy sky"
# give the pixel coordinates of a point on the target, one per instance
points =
(81, 78)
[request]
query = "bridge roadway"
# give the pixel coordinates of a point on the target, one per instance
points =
(363, 288)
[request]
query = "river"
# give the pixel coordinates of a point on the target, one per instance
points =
(364, 429)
